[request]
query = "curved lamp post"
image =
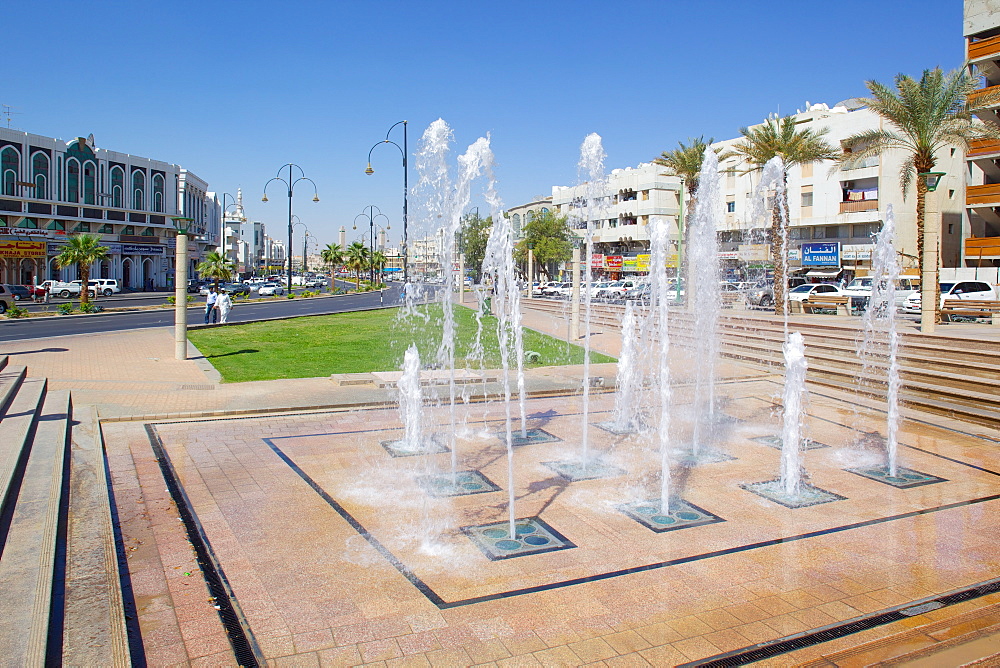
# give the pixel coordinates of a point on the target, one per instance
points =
(182, 225)
(305, 236)
(290, 185)
(406, 187)
(369, 213)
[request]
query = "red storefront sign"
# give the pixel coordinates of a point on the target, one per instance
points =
(597, 261)
(613, 262)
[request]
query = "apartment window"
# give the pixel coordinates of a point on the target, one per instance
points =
(731, 206)
(832, 232)
(128, 230)
(645, 194)
(806, 170)
(82, 227)
(863, 230)
(807, 196)
(799, 233)
(106, 229)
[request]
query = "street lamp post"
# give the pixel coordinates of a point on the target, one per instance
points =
(182, 225)
(929, 267)
(371, 216)
(290, 185)
(305, 242)
(406, 186)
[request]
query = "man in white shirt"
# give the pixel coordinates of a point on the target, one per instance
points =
(210, 311)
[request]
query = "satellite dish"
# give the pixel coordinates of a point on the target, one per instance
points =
(852, 104)
(90, 140)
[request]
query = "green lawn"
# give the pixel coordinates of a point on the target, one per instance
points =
(359, 342)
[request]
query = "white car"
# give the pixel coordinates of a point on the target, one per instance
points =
(270, 289)
(977, 290)
(802, 293)
(860, 291)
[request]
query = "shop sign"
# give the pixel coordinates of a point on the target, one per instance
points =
(748, 252)
(729, 255)
(23, 232)
(137, 249)
(642, 262)
(22, 249)
(856, 253)
(597, 261)
(629, 264)
(821, 254)
(613, 262)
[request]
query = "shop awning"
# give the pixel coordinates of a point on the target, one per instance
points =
(832, 272)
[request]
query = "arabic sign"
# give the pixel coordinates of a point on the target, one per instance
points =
(613, 262)
(22, 249)
(137, 249)
(596, 261)
(821, 254)
(642, 262)
(629, 264)
(23, 232)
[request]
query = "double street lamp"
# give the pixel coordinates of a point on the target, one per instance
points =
(369, 213)
(290, 185)
(406, 187)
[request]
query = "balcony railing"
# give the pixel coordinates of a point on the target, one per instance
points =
(977, 101)
(860, 205)
(987, 194)
(980, 247)
(984, 48)
(983, 147)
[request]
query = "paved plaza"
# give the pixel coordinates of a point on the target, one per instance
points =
(329, 550)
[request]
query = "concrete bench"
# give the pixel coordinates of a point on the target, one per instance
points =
(839, 303)
(971, 308)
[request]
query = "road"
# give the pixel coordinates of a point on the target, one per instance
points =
(30, 328)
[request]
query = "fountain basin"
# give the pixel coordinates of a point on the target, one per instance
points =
(533, 536)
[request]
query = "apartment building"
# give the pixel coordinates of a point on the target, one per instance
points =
(834, 212)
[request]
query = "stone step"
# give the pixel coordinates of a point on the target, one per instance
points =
(3, 361)
(16, 428)
(10, 379)
(94, 631)
(27, 565)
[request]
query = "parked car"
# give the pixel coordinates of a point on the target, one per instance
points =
(860, 291)
(977, 290)
(61, 289)
(236, 288)
(106, 286)
(270, 289)
(36, 291)
(18, 292)
(802, 293)
(92, 286)
(5, 299)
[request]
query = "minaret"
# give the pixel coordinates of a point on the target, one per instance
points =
(239, 204)
(342, 239)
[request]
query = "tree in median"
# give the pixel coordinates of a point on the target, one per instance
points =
(333, 255)
(782, 139)
(475, 233)
(550, 239)
(357, 261)
(82, 250)
(217, 267)
(924, 117)
(378, 262)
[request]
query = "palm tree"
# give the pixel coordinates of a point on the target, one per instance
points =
(782, 139)
(378, 261)
(685, 162)
(357, 261)
(216, 266)
(924, 117)
(333, 255)
(82, 250)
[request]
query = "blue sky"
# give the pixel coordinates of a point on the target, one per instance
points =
(232, 91)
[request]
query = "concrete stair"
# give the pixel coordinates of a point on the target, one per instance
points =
(35, 447)
(943, 375)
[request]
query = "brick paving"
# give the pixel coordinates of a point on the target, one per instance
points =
(308, 603)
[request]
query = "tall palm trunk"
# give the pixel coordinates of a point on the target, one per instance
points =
(84, 271)
(923, 167)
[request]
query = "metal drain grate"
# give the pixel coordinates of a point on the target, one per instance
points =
(197, 387)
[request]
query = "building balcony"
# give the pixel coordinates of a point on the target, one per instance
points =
(984, 195)
(979, 248)
(983, 49)
(981, 148)
(858, 206)
(976, 99)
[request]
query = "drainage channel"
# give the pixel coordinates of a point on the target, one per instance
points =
(748, 655)
(241, 639)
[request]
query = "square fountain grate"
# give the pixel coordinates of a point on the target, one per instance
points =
(681, 515)
(776, 442)
(400, 448)
(808, 495)
(533, 436)
(704, 456)
(533, 537)
(574, 470)
(904, 478)
(634, 427)
(461, 484)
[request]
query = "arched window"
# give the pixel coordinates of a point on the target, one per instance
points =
(544, 210)
(158, 192)
(89, 182)
(516, 219)
(40, 175)
(117, 187)
(530, 216)
(10, 166)
(72, 180)
(138, 188)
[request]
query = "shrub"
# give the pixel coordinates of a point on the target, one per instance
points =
(172, 300)
(17, 312)
(289, 296)
(531, 357)
(90, 307)
(66, 309)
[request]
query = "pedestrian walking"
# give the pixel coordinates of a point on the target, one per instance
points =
(224, 304)
(210, 301)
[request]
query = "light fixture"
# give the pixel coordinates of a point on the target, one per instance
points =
(369, 171)
(932, 179)
(264, 198)
(316, 197)
(181, 224)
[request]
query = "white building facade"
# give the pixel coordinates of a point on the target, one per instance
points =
(833, 213)
(50, 189)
